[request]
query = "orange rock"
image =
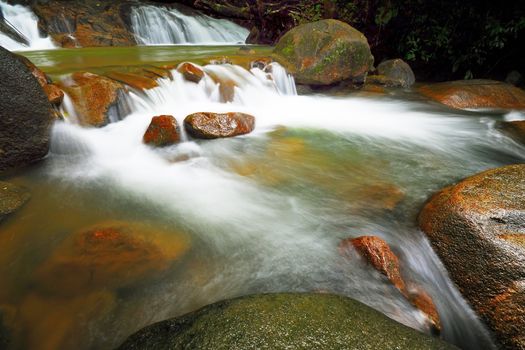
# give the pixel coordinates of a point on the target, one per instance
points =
(162, 131)
(206, 125)
(475, 94)
(110, 255)
(92, 96)
(140, 82)
(377, 252)
(54, 94)
(421, 300)
(190, 71)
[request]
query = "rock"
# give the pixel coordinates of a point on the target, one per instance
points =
(95, 97)
(477, 227)
(282, 321)
(162, 131)
(377, 252)
(135, 81)
(324, 53)
(190, 71)
(214, 125)
(381, 80)
(109, 256)
(515, 129)
(475, 94)
(55, 95)
(12, 198)
(397, 70)
(90, 23)
(514, 78)
(40, 76)
(422, 301)
(25, 114)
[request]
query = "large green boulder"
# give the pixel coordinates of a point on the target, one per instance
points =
(477, 227)
(282, 321)
(25, 114)
(324, 52)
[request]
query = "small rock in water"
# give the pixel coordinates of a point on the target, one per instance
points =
(190, 71)
(12, 198)
(162, 131)
(397, 70)
(208, 125)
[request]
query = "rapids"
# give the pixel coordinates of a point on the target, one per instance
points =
(266, 211)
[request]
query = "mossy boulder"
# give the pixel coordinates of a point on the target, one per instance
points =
(282, 321)
(324, 53)
(477, 227)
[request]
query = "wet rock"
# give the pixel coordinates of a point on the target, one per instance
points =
(162, 131)
(477, 227)
(278, 321)
(25, 114)
(424, 302)
(12, 198)
(397, 70)
(159, 72)
(110, 255)
(214, 125)
(190, 71)
(377, 252)
(55, 95)
(476, 94)
(40, 76)
(382, 80)
(324, 52)
(136, 81)
(93, 97)
(515, 129)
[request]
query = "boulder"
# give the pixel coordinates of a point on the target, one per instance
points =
(477, 227)
(25, 114)
(162, 131)
(397, 70)
(109, 256)
(95, 97)
(282, 321)
(515, 129)
(12, 198)
(190, 71)
(324, 53)
(206, 125)
(476, 94)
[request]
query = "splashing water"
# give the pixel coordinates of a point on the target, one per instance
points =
(24, 22)
(155, 25)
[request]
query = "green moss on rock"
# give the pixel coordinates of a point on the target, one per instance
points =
(283, 321)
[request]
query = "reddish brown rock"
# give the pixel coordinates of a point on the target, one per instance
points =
(515, 129)
(477, 228)
(108, 256)
(377, 252)
(476, 94)
(55, 95)
(162, 131)
(190, 71)
(93, 97)
(214, 125)
(422, 301)
(140, 82)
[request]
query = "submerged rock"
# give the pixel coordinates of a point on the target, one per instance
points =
(190, 71)
(515, 129)
(12, 198)
(478, 229)
(476, 94)
(324, 52)
(93, 96)
(25, 114)
(110, 255)
(136, 81)
(282, 321)
(214, 125)
(397, 70)
(162, 131)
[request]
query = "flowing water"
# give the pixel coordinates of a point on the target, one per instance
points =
(263, 212)
(154, 25)
(24, 22)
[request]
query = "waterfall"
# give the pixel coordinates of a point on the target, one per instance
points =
(154, 25)
(19, 29)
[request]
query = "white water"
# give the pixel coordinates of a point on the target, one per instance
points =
(24, 21)
(153, 25)
(278, 240)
